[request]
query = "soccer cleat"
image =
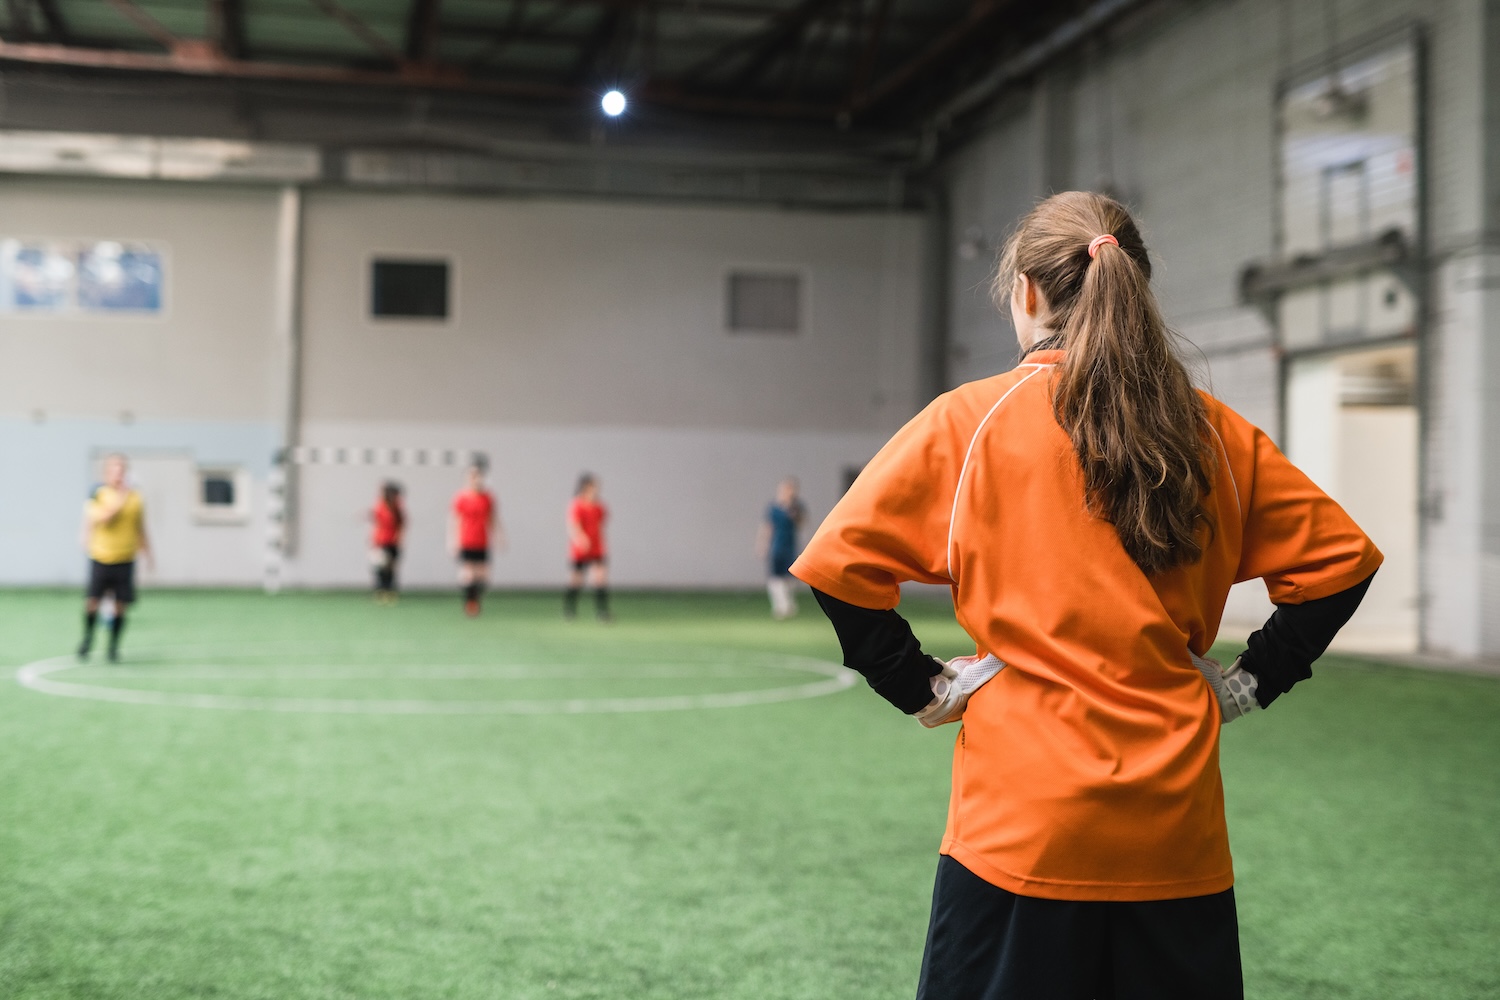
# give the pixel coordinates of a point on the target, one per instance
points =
(1235, 687)
(471, 608)
(952, 688)
(83, 652)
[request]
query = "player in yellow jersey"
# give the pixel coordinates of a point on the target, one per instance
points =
(114, 524)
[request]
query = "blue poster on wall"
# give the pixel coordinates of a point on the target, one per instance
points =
(35, 277)
(62, 277)
(119, 277)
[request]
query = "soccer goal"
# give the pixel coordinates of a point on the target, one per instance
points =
(283, 494)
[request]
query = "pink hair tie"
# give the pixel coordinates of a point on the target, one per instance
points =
(1099, 241)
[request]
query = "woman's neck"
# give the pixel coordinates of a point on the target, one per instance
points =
(1047, 341)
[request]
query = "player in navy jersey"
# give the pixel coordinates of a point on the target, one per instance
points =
(778, 543)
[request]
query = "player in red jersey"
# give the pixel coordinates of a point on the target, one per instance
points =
(389, 518)
(586, 548)
(475, 519)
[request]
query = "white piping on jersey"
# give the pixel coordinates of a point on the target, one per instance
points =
(964, 469)
(1229, 469)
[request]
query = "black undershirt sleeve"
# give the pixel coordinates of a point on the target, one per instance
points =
(881, 646)
(1283, 651)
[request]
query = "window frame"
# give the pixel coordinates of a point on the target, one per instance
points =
(448, 260)
(235, 513)
(767, 269)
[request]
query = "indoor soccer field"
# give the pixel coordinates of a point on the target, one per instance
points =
(311, 796)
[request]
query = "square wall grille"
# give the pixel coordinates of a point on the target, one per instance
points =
(410, 289)
(764, 303)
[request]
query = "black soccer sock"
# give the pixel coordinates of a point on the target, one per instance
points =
(471, 592)
(90, 619)
(116, 628)
(570, 601)
(601, 600)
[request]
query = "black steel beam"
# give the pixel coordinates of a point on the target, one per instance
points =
(18, 20)
(422, 29)
(869, 54)
(229, 17)
(783, 38)
(606, 31)
(934, 56)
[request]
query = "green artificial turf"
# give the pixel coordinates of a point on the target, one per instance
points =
(771, 851)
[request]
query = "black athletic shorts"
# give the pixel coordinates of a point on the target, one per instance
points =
(112, 578)
(985, 943)
(579, 565)
(474, 555)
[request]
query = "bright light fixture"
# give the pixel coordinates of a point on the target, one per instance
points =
(613, 103)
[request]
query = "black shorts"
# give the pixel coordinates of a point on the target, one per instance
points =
(112, 578)
(986, 942)
(474, 555)
(579, 565)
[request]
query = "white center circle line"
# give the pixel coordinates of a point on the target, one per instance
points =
(39, 676)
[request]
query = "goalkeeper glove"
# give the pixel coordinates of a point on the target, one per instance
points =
(1235, 687)
(952, 687)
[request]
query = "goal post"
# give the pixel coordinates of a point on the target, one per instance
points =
(280, 484)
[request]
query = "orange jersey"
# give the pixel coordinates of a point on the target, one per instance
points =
(1088, 769)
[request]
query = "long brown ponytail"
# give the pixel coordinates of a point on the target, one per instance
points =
(1138, 426)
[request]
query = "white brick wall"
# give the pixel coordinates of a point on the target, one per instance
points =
(1176, 115)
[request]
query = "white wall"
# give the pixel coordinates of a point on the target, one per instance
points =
(592, 337)
(1175, 113)
(684, 503)
(196, 381)
(203, 358)
(592, 313)
(585, 335)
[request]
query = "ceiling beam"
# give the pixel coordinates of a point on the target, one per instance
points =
(422, 30)
(980, 12)
(615, 22)
(147, 24)
(229, 27)
(869, 53)
(782, 39)
(516, 29)
(804, 57)
(778, 27)
(1097, 17)
(18, 19)
(359, 29)
(57, 25)
(213, 65)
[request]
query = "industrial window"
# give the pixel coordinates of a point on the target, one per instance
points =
(223, 496)
(409, 289)
(759, 302)
(218, 489)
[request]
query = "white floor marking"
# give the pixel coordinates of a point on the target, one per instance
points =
(39, 676)
(527, 672)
